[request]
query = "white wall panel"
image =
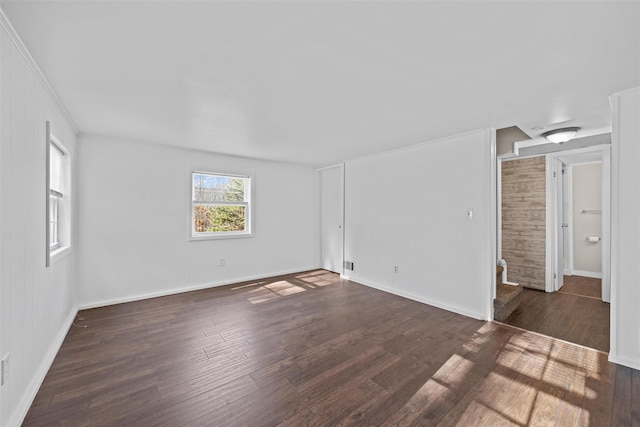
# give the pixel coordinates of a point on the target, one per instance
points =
(135, 209)
(625, 230)
(37, 303)
(587, 195)
(408, 208)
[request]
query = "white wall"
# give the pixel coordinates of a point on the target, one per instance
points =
(135, 219)
(37, 303)
(625, 230)
(409, 208)
(587, 195)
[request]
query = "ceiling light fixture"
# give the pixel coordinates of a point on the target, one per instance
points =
(558, 136)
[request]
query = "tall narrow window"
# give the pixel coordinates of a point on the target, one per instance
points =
(220, 205)
(56, 193)
(58, 206)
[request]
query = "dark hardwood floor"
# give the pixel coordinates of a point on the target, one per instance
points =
(312, 349)
(582, 286)
(575, 318)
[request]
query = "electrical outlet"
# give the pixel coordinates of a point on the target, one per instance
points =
(396, 269)
(5, 368)
(222, 262)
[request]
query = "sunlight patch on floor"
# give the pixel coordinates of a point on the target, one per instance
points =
(509, 396)
(479, 338)
(437, 390)
(284, 288)
(318, 278)
(545, 409)
(272, 291)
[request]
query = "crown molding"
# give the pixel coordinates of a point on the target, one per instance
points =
(5, 24)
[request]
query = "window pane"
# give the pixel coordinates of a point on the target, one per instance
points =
(53, 220)
(218, 188)
(214, 219)
(55, 169)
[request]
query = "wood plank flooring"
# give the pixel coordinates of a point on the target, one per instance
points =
(313, 349)
(582, 286)
(575, 318)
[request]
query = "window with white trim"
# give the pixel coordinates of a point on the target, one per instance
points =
(56, 193)
(220, 205)
(58, 207)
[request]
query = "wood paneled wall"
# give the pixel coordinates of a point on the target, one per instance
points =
(523, 221)
(37, 303)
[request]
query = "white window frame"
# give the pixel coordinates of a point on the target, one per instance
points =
(54, 222)
(58, 207)
(248, 205)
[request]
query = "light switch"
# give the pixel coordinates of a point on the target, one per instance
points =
(469, 213)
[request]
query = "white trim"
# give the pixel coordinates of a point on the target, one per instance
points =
(606, 224)
(17, 41)
(492, 218)
(615, 165)
(60, 253)
(527, 143)
(499, 208)
(624, 361)
(189, 288)
(550, 226)
(36, 381)
(568, 262)
(529, 156)
(65, 223)
(592, 274)
(220, 236)
(410, 147)
(433, 303)
(249, 210)
(47, 180)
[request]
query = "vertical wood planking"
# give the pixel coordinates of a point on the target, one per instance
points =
(36, 302)
(523, 220)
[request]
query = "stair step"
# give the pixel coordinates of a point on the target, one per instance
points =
(507, 300)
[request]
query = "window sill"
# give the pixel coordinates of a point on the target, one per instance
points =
(219, 237)
(59, 253)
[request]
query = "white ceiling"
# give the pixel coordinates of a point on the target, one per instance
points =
(319, 82)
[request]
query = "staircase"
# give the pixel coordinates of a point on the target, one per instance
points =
(507, 297)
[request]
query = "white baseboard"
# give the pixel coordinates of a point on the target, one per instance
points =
(188, 288)
(591, 274)
(21, 411)
(419, 299)
(634, 364)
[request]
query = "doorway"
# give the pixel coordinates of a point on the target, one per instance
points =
(331, 200)
(579, 201)
(572, 293)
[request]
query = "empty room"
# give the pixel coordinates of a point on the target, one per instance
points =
(319, 213)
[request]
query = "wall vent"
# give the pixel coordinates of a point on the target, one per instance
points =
(348, 265)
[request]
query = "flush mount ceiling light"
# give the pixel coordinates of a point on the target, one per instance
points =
(558, 136)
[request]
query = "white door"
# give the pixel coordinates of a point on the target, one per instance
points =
(561, 224)
(332, 214)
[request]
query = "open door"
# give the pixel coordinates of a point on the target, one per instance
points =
(561, 211)
(561, 224)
